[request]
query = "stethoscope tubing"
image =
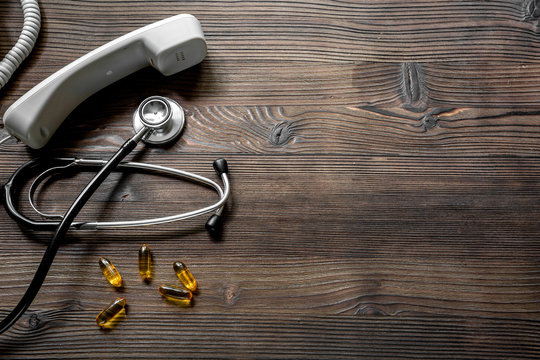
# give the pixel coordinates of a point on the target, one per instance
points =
(11, 189)
(62, 229)
(217, 207)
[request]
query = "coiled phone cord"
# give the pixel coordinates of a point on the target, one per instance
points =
(25, 43)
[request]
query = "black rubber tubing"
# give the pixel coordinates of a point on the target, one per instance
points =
(60, 234)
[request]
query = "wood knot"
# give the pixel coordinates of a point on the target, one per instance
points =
(281, 133)
(231, 292)
(432, 117)
(429, 121)
(34, 322)
(531, 10)
(413, 85)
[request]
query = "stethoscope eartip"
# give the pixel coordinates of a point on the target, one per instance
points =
(221, 167)
(214, 225)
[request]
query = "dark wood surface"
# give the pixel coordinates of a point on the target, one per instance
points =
(384, 159)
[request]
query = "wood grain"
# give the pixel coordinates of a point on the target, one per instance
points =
(313, 130)
(453, 249)
(323, 31)
(226, 83)
(276, 337)
(385, 178)
(241, 70)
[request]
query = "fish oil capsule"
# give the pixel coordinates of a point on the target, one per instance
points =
(112, 313)
(145, 262)
(110, 272)
(176, 294)
(185, 275)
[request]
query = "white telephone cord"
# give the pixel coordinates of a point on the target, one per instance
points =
(25, 43)
(23, 46)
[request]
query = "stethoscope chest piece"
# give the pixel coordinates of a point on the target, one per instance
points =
(163, 115)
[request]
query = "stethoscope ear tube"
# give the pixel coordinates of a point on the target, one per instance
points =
(48, 166)
(12, 188)
(214, 225)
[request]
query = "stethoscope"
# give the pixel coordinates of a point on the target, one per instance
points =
(158, 120)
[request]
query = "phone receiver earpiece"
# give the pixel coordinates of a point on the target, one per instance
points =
(170, 45)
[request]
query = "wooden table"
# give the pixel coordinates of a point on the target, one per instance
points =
(384, 159)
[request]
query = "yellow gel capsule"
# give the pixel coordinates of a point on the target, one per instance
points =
(145, 262)
(176, 294)
(185, 275)
(112, 313)
(110, 272)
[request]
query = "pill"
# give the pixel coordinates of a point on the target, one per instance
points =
(112, 313)
(185, 275)
(110, 272)
(176, 294)
(145, 262)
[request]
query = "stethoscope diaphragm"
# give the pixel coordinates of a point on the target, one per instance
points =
(163, 115)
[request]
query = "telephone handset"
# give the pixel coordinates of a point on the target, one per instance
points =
(170, 45)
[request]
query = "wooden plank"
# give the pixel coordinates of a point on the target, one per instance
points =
(404, 80)
(451, 237)
(313, 130)
(305, 285)
(324, 31)
(224, 80)
(269, 337)
(413, 86)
